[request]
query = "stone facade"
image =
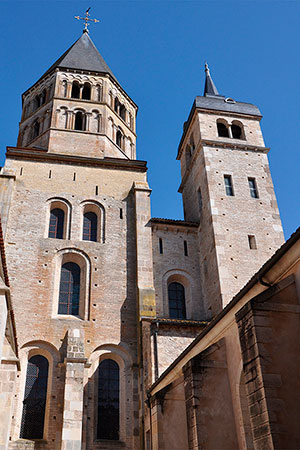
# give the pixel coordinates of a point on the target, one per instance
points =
(76, 154)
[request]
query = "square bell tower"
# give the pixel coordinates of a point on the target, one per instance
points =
(227, 187)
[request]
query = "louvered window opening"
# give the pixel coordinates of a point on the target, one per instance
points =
(90, 225)
(69, 290)
(56, 224)
(176, 301)
(108, 400)
(34, 403)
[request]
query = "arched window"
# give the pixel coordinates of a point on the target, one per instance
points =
(79, 121)
(86, 91)
(69, 289)
(36, 102)
(130, 120)
(108, 400)
(188, 156)
(43, 97)
(236, 131)
(98, 93)
(123, 112)
(119, 138)
(56, 223)
(117, 105)
(90, 227)
(222, 130)
(34, 404)
(64, 88)
(192, 144)
(35, 129)
(75, 90)
(176, 301)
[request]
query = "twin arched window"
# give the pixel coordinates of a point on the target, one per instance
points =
(69, 289)
(234, 131)
(34, 404)
(108, 425)
(91, 229)
(81, 91)
(176, 296)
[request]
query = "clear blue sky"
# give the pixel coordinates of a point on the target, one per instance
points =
(157, 51)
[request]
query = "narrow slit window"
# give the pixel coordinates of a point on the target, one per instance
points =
(97, 190)
(253, 188)
(161, 249)
(121, 213)
(185, 248)
(252, 242)
(228, 185)
(200, 201)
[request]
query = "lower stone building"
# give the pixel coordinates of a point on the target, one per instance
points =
(123, 331)
(237, 384)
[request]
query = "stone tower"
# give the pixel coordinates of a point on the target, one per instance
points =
(227, 187)
(74, 205)
(79, 100)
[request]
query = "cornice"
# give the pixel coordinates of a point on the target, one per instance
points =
(40, 155)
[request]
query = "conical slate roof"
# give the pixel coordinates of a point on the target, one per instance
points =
(82, 55)
(210, 88)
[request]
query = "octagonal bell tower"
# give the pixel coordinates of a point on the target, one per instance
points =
(78, 107)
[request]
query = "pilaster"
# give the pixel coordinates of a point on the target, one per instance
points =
(73, 396)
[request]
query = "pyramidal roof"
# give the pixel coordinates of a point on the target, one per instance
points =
(82, 55)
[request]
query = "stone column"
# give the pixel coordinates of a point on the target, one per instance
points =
(69, 89)
(73, 396)
(88, 120)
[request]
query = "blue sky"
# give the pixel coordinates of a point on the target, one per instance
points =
(157, 51)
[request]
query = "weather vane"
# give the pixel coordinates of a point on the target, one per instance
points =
(86, 20)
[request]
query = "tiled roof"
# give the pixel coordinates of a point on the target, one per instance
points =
(174, 222)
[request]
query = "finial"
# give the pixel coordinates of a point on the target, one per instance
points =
(87, 20)
(206, 67)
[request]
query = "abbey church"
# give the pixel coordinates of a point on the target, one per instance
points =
(123, 331)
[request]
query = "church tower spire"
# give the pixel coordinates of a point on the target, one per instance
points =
(79, 97)
(209, 88)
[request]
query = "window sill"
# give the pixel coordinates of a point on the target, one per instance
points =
(110, 442)
(67, 317)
